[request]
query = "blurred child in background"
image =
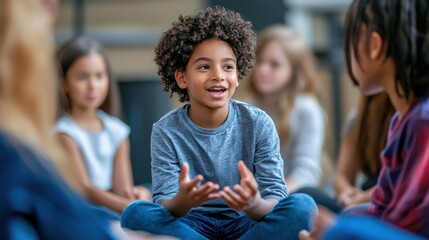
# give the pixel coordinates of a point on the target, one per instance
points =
(96, 141)
(359, 164)
(283, 83)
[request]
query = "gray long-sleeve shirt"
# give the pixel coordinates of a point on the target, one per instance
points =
(248, 134)
(303, 150)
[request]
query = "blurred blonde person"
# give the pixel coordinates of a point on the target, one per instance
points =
(34, 198)
(283, 83)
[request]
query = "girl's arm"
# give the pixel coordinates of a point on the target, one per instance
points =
(91, 192)
(306, 153)
(347, 170)
(122, 179)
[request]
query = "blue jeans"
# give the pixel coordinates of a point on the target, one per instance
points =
(366, 227)
(104, 213)
(287, 218)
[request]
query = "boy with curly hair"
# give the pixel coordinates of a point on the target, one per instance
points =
(216, 167)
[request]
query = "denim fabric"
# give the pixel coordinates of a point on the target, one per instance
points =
(287, 218)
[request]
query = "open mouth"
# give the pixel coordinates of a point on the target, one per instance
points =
(217, 90)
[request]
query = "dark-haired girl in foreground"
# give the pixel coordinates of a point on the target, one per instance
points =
(387, 48)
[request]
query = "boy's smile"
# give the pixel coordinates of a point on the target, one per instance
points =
(210, 77)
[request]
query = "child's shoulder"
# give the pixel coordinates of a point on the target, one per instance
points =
(171, 116)
(420, 112)
(65, 123)
(112, 123)
(246, 107)
(248, 111)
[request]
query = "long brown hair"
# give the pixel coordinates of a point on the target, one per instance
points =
(27, 79)
(67, 54)
(303, 79)
(370, 133)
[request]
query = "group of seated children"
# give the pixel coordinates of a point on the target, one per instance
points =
(221, 168)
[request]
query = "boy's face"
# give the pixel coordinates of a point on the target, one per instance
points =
(211, 75)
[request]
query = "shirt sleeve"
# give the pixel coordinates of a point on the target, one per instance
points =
(165, 166)
(118, 129)
(65, 126)
(402, 195)
(268, 164)
(306, 153)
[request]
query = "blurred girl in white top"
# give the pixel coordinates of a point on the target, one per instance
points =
(96, 140)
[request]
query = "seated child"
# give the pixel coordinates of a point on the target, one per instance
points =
(388, 52)
(96, 142)
(216, 165)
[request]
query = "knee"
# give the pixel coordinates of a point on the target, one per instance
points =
(140, 214)
(301, 202)
(300, 207)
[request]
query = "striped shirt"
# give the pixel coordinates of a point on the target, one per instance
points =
(401, 196)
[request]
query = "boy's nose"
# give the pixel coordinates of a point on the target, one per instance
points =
(218, 74)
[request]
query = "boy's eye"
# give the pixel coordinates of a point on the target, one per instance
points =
(203, 67)
(229, 67)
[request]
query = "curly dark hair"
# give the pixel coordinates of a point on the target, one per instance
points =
(177, 44)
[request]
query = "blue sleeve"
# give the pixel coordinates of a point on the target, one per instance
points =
(268, 164)
(165, 166)
(35, 202)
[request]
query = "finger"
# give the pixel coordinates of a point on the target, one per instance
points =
(235, 197)
(305, 235)
(251, 186)
(244, 172)
(183, 176)
(142, 193)
(212, 196)
(129, 193)
(242, 193)
(229, 200)
(205, 190)
(193, 184)
(137, 192)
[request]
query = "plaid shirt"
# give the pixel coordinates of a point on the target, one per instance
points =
(401, 196)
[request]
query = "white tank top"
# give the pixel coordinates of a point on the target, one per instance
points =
(98, 149)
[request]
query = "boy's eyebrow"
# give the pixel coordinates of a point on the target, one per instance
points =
(209, 60)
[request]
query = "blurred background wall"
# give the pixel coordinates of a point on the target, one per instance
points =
(129, 30)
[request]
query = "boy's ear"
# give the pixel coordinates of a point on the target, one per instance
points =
(180, 79)
(377, 48)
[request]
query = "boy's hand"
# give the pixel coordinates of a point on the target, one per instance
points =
(245, 196)
(189, 194)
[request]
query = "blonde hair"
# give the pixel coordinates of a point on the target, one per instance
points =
(303, 77)
(27, 79)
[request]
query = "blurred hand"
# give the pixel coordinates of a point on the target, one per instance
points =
(349, 196)
(245, 195)
(324, 220)
(141, 193)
